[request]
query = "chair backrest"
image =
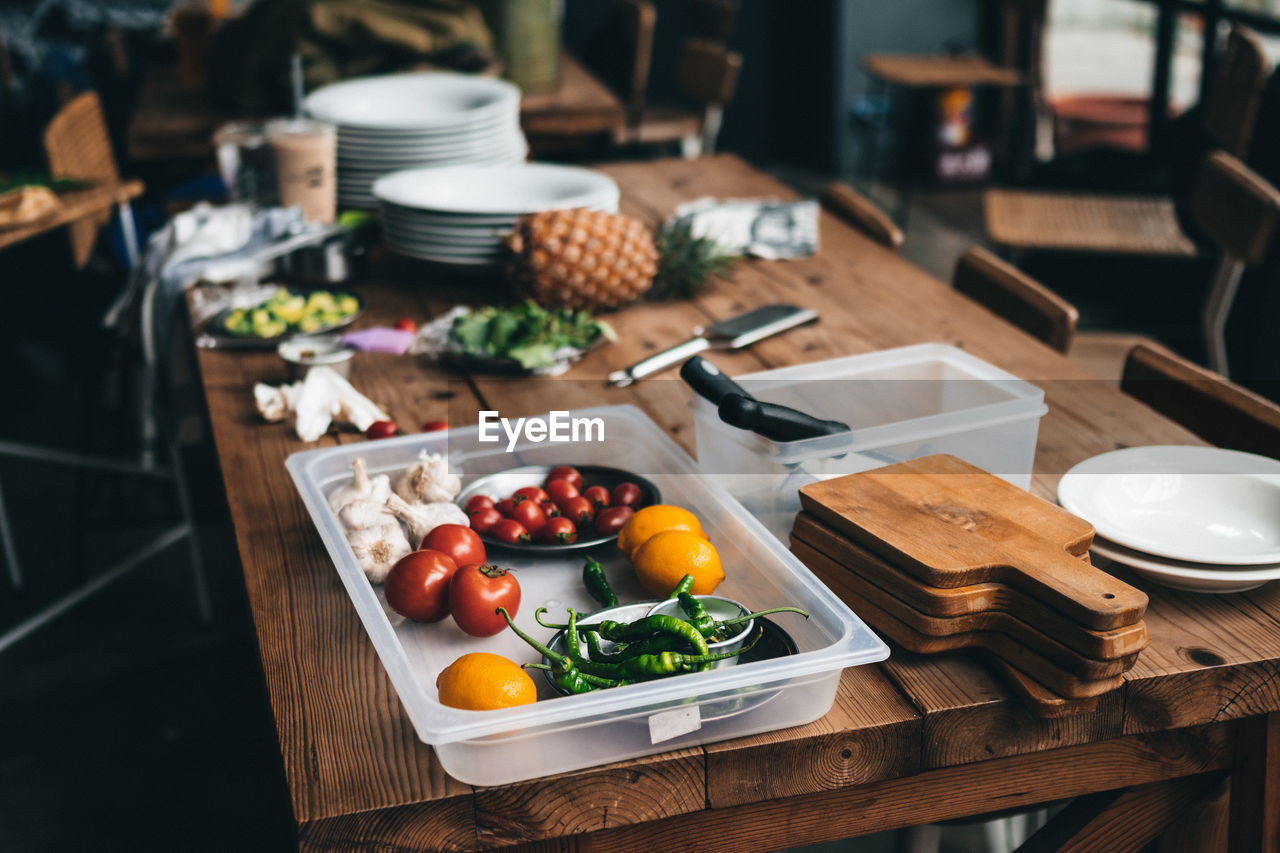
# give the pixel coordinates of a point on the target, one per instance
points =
(621, 52)
(1236, 207)
(1204, 402)
(712, 20)
(708, 72)
(78, 146)
(860, 212)
(1231, 109)
(1007, 291)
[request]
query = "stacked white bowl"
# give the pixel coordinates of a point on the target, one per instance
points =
(459, 215)
(418, 119)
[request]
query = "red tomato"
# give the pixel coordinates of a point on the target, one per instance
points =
(530, 514)
(417, 587)
(406, 324)
(483, 520)
(509, 531)
(458, 541)
(475, 503)
(531, 493)
(506, 506)
(561, 491)
(579, 510)
(549, 509)
(627, 494)
(612, 519)
(558, 531)
(475, 595)
(598, 495)
(381, 429)
(435, 426)
(564, 472)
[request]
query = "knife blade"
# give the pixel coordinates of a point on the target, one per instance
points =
(732, 333)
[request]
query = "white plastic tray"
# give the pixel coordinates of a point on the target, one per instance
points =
(560, 733)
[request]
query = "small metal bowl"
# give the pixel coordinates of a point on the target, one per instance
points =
(720, 608)
(621, 613)
(304, 353)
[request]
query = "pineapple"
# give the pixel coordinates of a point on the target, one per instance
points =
(582, 259)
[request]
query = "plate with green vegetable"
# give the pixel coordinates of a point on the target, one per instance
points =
(286, 313)
(523, 339)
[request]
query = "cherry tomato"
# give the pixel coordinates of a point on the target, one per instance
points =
(598, 495)
(627, 494)
(509, 531)
(579, 510)
(406, 324)
(564, 472)
(611, 520)
(530, 514)
(458, 541)
(531, 493)
(475, 503)
(561, 491)
(558, 531)
(506, 506)
(475, 595)
(381, 429)
(435, 426)
(483, 520)
(549, 509)
(417, 587)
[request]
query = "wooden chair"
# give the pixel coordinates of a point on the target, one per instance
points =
(621, 53)
(1136, 225)
(1204, 402)
(78, 146)
(1015, 296)
(860, 212)
(708, 75)
(712, 20)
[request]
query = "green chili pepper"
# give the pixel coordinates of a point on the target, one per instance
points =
(738, 620)
(554, 657)
(698, 615)
(566, 677)
(685, 584)
(649, 646)
(597, 584)
(626, 632)
(644, 667)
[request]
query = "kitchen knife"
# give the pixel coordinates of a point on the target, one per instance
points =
(738, 408)
(733, 333)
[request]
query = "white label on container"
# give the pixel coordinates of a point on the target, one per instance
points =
(673, 723)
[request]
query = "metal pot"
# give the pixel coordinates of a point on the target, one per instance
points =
(334, 260)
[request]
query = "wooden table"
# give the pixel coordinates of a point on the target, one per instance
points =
(173, 122)
(908, 741)
(76, 206)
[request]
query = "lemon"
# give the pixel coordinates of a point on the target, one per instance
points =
(653, 520)
(668, 556)
(481, 681)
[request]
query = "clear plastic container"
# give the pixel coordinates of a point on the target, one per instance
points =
(560, 733)
(900, 404)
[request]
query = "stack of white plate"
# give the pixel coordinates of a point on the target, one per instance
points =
(458, 215)
(400, 121)
(1194, 518)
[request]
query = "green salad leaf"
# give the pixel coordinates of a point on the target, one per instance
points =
(529, 334)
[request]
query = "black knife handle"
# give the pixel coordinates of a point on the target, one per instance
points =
(707, 380)
(778, 423)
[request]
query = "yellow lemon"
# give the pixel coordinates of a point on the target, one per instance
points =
(670, 555)
(652, 520)
(480, 681)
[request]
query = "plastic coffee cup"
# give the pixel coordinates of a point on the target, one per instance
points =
(245, 162)
(306, 156)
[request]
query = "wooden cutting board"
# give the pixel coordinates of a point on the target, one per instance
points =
(953, 529)
(968, 600)
(1053, 677)
(1031, 644)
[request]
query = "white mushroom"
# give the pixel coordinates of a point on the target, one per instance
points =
(376, 489)
(428, 480)
(423, 518)
(378, 548)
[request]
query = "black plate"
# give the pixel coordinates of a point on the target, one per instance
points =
(214, 328)
(504, 483)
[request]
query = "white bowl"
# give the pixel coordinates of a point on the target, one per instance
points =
(413, 103)
(496, 190)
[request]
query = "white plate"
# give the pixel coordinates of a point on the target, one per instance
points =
(392, 153)
(1197, 504)
(411, 252)
(413, 102)
(1193, 577)
(516, 189)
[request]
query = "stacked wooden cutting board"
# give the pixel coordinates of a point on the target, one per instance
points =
(938, 556)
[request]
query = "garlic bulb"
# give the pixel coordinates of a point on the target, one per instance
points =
(378, 548)
(364, 512)
(428, 480)
(421, 519)
(376, 489)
